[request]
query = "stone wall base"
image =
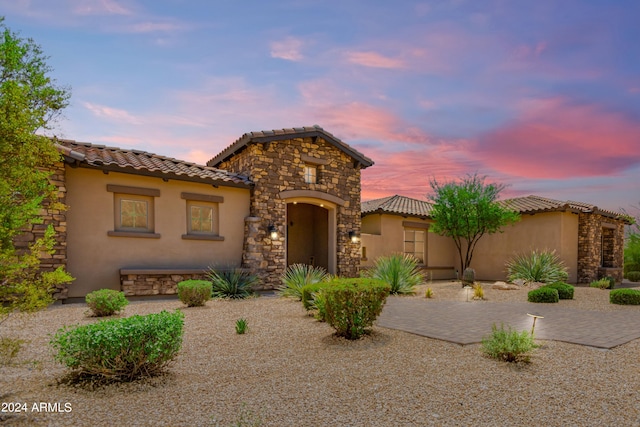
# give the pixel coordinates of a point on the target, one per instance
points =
(158, 283)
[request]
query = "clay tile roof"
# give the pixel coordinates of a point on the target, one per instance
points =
(144, 163)
(289, 133)
(400, 205)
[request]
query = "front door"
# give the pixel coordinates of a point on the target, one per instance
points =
(307, 235)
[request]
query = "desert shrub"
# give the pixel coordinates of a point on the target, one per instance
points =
(478, 291)
(121, 349)
(233, 283)
(309, 293)
(543, 294)
(241, 326)
(633, 276)
(9, 349)
(600, 284)
(565, 291)
(399, 271)
(508, 345)
(428, 293)
(544, 266)
(352, 305)
(194, 293)
(468, 276)
(625, 296)
(612, 281)
(105, 302)
(297, 276)
(630, 267)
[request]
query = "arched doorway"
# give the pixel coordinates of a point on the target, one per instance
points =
(308, 235)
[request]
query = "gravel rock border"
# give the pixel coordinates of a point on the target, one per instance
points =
(289, 370)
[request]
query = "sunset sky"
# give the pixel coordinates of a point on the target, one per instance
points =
(541, 95)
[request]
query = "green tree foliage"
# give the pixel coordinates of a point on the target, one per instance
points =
(466, 211)
(30, 102)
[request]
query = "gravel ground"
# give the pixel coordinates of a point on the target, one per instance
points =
(289, 370)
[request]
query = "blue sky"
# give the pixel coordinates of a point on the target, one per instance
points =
(541, 95)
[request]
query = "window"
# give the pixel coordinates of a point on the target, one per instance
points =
(133, 211)
(310, 174)
(414, 243)
(202, 216)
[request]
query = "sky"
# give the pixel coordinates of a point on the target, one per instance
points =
(542, 96)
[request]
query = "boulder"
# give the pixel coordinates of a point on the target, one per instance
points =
(519, 282)
(505, 286)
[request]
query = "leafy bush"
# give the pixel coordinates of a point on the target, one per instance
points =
(543, 294)
(565, 291)
(121, 349)
(399, 271)
(297, 276)
(9, 349)
(468, 276)
(600, 284)
(508, 345)
(629, 268)
(308, 294)
(633, 276)
(234, 283)
(352, 305)
(625, 296)
(632, 253)
(105, 302)
(544, 266)
(194, 293)
(241, 326)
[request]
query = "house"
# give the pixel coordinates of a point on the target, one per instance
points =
(142, 222)
(589, 240)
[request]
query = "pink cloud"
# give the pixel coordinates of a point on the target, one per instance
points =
(110, 113)
(288, 49)
(374, 60)
(554, 138)
(99, 7)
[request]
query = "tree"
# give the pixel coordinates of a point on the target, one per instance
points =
(466, 211)
(30, 102)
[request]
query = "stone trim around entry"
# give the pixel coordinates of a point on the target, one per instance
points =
(311, 194)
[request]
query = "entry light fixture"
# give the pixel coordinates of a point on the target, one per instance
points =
(273, 232)
(354, 236)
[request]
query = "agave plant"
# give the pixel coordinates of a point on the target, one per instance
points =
(400, 271)
(544, 266)
(234, 283)
(298, 276)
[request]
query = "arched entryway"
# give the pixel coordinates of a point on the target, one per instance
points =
(307, 235)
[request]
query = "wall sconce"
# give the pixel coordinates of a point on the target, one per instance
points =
(355, 237)
(273, 232)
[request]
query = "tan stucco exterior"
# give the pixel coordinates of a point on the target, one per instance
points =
(552, 230)
(95, 258)
(383, 234)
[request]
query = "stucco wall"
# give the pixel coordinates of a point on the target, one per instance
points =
(553, 230)
(94, 258)
(383, 234)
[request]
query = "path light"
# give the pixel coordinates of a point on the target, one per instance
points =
(535, 317)
(468, 288)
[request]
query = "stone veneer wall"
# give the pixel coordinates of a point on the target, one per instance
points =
(139, 284)
(56, 218)
(277, 166)
(590, 233)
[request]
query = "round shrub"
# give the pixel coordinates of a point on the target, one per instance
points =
(121, 349)
(625, 296)
(194, 293)
(543, 294)
(352, 305)
(633, 276)
(565, 291)
(105, 302)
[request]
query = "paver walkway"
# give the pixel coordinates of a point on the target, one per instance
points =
(469, 322)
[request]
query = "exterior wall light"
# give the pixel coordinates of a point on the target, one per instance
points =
(355, 237)
(273, 232)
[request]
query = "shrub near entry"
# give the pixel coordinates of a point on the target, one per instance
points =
(352, 305)
(543, 294)
(565, 291)
(194, 293)
(625, 296)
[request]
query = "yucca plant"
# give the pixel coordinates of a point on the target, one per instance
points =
(538, 266)
(241, 326)
(400, 271)
(235, 283)
(297, 276)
